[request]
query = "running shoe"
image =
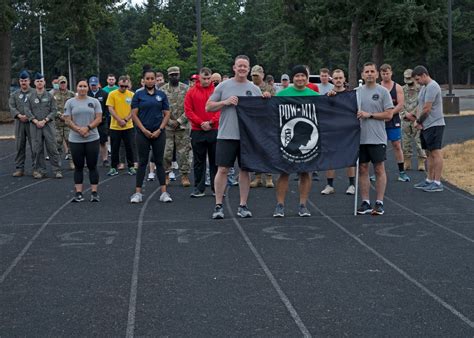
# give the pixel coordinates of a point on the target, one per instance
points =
(106, 163)
(112, 172)
(231, 181)
(422, 185)
(244, 212)
(58, 174)
(174, 165)
(350, 190)
(132, 171)
(95, 197)
(165, 197)
(303, 211)
(196, 193)
(151, 177)
(78, 197)
(136, 198)
(279, 210)
(328, 190)
(315, 176)
(403, 177)
(172, 176)
(372, 178)
(378, 209)
(218, 212)
(364, 209)
(434, 187)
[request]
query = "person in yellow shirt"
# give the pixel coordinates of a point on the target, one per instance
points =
(121, 125)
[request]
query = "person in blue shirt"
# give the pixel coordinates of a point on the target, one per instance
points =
(150, 113)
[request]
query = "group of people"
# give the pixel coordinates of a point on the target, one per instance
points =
(162, 119)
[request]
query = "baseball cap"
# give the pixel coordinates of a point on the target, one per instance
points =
(408, 76)
(195, 77)
(93, 81)
(173, 70)
(285, 77)
(62, 78)
(256, 70)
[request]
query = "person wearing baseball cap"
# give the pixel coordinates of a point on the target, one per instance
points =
(408, 115)
(17, 102)
(98, 93)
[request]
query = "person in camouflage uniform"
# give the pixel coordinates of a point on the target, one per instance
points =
(409, 115)
(258, 74)
(41, 110)
(61, 95)
(178, 128)
(18, 102)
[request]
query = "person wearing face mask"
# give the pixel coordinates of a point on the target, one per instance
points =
(178, 127)
(61, 95)
(83, 114)
(17, 103)
(96, 92)
(41, 110)
(150, 113)
(411, 89)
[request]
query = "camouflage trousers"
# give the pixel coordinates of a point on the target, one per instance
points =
(410, 134)
(182, 140)
(62, 135)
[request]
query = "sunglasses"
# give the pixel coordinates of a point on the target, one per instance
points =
(123, 86)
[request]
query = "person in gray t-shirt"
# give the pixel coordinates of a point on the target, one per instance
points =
(325, 86)
(225, 98)
(83, 114)
(431, 123)
(375, 107)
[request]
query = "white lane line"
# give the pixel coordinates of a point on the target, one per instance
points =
(132, 304)
(458, 193)
(25, 187)
(7, 156)
(284, 298)
(412, 280)
(25, 249)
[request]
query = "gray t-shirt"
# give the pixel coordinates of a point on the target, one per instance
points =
(373, 100)
(228, 122)
(325, 88)
(82, 112)
(432, 93)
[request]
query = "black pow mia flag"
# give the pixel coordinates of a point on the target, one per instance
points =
(293, 134)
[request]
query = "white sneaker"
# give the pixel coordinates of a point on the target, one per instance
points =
(174, 165)
(151, 176)
(165, 197)
(351, 190)
(328, 190)
(136, 198)
(172, 176)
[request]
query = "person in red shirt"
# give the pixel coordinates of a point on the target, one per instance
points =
(204, 127)
(312, 86)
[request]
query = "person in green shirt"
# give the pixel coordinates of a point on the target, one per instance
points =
(299, 76)
(111, 86)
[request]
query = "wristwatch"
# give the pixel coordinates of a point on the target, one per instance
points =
(371, 116)
(89, 127)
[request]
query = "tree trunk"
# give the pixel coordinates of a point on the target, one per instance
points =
(5, 75)
(377, 53)
(354, 53)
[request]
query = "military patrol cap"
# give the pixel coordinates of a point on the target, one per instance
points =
(257, 70)
(173, 70)
(93, 81)
(285, 77)
(39, 76)
(408, 76)
(62, 78)
(24, 75)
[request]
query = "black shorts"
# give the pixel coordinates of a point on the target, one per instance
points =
(432, 138)
(226, 152)
(374, 153)
(103, 132)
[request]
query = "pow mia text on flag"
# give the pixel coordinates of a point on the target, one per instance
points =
(298, 134)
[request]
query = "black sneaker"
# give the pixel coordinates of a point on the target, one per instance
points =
(218, 212)
(95, 197)
(196, 193)
(378, 209)
(315, 176)
(78, 197)
(364, 209)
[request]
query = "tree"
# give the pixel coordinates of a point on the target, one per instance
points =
(160, 52)
(6, 20)
(214, 56)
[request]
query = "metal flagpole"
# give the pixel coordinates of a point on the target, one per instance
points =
(356, 187)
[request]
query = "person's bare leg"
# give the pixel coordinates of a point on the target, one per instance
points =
(351, 171)
(381, 182)
(220, 183)
(331, 173)
(282, 188)
(304, 187)
(437, 164)
(364, 183)
(429, 161)
(397, 150)
(103, 152)
(244, 186)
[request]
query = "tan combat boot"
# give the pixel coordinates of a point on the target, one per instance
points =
(18, 173)
(421, 164)
(269, 181)
(185, 181)
(407, 163)
(257, 181)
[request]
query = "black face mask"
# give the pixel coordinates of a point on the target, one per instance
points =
(174, 81)
(215, 83)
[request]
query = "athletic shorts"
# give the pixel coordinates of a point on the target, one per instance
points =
(374, 153)
(394, 134)
(103, 132)
(226, 152)
(432, 138)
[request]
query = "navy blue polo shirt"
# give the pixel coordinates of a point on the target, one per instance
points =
(150, 107)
